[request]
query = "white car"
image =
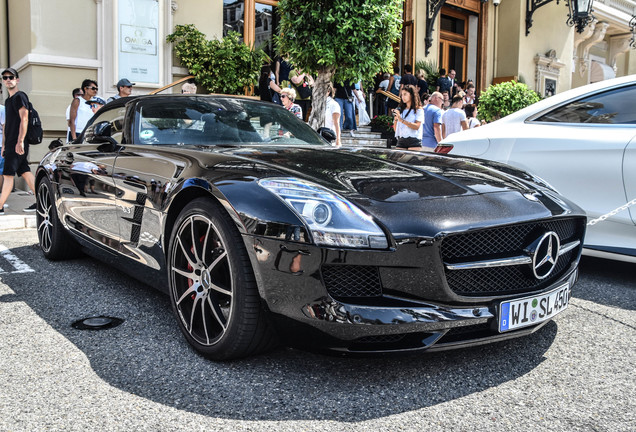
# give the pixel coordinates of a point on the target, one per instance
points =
(583, 143)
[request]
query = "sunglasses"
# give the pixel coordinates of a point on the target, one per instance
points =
(283, 96)
(92, 88)
(8, 77)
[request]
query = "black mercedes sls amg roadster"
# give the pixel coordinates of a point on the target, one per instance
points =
(260, 231)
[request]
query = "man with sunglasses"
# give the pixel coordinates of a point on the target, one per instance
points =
(14, 148)
(81, 112)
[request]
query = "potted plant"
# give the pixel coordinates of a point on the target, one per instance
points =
(384, 124)
(226, 66)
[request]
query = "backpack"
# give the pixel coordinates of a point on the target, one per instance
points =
(34, 133)
(396, 84)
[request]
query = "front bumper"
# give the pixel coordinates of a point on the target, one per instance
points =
(407, 326)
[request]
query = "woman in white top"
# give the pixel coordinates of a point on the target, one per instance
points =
(332, 114)
(408, 120)
(471, 115)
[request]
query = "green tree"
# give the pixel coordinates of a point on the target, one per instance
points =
(502, 99)
(225, 66)
(339, 40)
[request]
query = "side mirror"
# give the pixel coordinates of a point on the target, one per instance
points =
(327, 134)
(100, 133)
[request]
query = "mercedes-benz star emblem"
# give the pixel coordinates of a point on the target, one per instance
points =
(545, 255)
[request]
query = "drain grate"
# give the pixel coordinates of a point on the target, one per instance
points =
(97, 323)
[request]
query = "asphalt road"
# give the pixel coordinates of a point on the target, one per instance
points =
(576, 374)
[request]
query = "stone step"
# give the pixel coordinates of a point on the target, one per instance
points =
(365, 128)
(363, 142)
(363, 134)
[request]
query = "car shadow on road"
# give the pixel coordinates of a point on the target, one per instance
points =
(607, 282)
(148, 357)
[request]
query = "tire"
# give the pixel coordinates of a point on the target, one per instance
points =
(212, 288)
(55, 242)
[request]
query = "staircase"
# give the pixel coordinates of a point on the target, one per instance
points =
(363, 137)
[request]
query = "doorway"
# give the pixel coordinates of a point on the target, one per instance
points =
(453, 42)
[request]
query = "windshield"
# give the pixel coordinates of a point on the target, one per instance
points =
(210, 120)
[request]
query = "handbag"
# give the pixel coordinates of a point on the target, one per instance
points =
(303, 90)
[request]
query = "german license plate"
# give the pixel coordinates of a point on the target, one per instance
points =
(533, 310)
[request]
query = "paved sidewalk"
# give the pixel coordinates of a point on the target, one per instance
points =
(14, 216)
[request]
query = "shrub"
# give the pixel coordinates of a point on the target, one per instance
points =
(505, 98)
(382, 123)
(225, 66)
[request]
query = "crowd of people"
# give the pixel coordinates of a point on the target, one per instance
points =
(291, 87)
(422, 112)
(430, 117)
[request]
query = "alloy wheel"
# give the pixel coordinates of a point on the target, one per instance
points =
(43, 217)
(202, 283)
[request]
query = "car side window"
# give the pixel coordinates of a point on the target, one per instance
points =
(610, 107)
(116, 119)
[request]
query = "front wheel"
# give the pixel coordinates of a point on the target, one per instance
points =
(212, 286)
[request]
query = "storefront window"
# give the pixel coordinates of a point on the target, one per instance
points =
(233, 16)
(266, 25)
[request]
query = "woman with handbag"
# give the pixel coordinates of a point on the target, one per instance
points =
(302, 83)
(332, 115)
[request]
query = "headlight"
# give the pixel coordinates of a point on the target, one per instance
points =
(331, 219)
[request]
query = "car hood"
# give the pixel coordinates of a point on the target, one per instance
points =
(389, 176)
(413, 194)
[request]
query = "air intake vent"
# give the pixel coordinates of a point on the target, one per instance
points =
(352, 281)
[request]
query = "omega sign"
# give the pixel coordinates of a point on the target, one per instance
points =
(138, 40)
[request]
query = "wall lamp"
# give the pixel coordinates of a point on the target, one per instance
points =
(579, 12)
(632, 28)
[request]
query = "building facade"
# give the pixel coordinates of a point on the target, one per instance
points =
(55, 44)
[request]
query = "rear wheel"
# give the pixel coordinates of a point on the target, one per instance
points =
(55, 242)
(212, 287)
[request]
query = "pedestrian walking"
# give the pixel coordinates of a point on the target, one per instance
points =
(332, 114)
(408, 119)
(471, 115)
(408, 78)
(454, 119)
(77, 92)
(14, 148)
(345, 98)
(288, 96)
(81, 112)
(432, 127)
(2, 119)
(302, 82)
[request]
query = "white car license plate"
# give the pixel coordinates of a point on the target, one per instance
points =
(533, 310)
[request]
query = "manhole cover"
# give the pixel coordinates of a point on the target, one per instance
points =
(97, 323)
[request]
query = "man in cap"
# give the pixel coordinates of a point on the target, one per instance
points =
(14, 149)
(124, 89)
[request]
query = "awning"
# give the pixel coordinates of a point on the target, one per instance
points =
(600, 72)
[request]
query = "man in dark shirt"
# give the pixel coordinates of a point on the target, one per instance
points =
(408, 78)
(445, 83)
(14, 149)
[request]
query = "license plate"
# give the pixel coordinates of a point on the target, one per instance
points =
(533, 310)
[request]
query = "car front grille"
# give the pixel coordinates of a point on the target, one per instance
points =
(508, 241)
(351, 281)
